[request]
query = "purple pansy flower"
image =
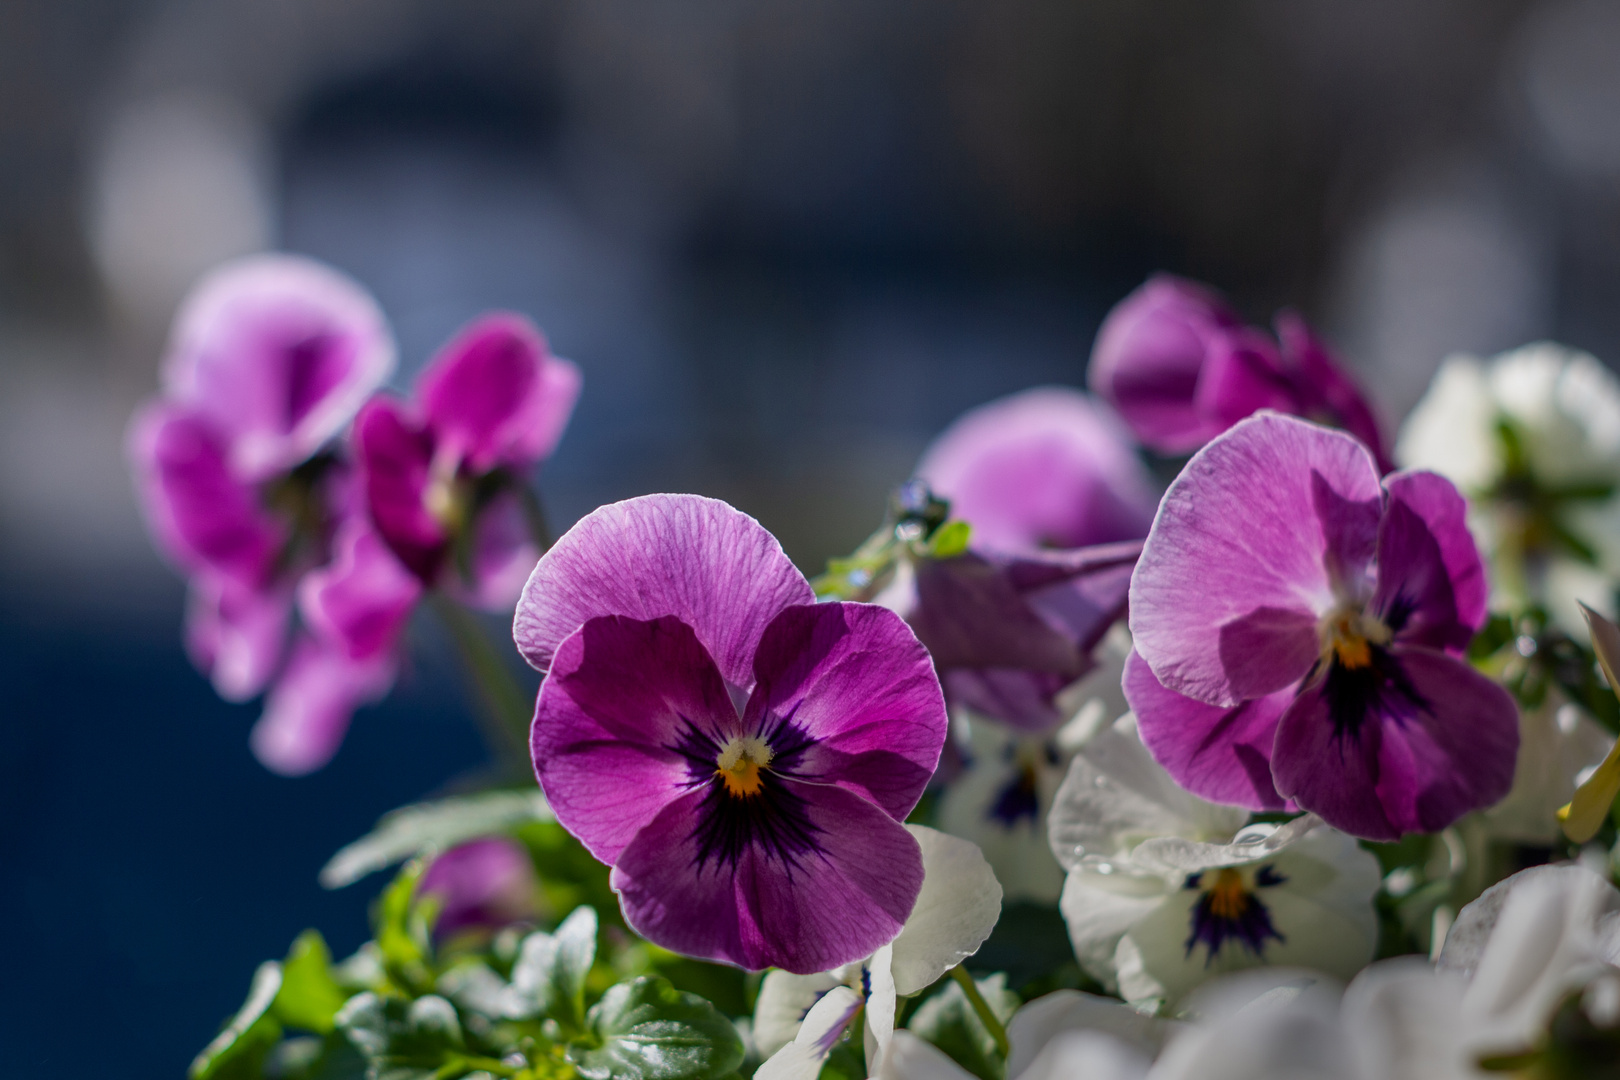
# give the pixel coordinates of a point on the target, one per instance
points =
(1046, 468)
(1181, 368)
(483, 884)
(740, 755)
(446, 465)
(1299, 630)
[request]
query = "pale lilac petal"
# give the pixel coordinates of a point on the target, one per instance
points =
(1044, 468)
(1408, 766)
(396, 463)
(1150, 352)
(308, 710)
(1220, 753)
(487, 883)
(1241, 376)
(970, 615)
(1233, 576)
(201, 515)
(494, 395)
(236, 633)
(806, 909)
(279, 352)
(1431, 581)
(361, 600)
(711, 566)
(632, 714)
(1017, 697)
(504, 552)
(1325, 386)
(854, 681)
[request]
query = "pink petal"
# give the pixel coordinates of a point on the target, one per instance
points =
(1234, 574)
(1220, 754)
(632, 714)
(854, 680)
(361, 600)
(396, 461)
(1428, 565)
(711, 566)
(503, 556)
(236, 633)
(1241, 376)
(279, 352)
(487, 883)
(1044, 468)
(1328, 387)
(308, 711)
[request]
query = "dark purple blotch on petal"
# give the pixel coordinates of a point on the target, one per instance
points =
(1229, 912)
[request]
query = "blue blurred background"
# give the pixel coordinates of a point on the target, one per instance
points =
(787, 242)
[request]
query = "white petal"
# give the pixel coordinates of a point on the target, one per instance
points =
(1557, 741)
(1045, 1019)
(1403, 1020)
(1284, 1033)
(1174, 855)
(910, 1058)
(784, 1000)
(1452, 429)
(1116, 796)
(1099, 908)
(880, 1004)
(1087, 1054)
(802, 1058)
(1018, 853)
(956, 910)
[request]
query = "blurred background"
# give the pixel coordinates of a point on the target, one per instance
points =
(786, 241)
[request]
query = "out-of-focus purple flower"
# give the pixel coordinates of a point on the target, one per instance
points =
(1298, 632)
(1181, 368)
(741, 756)
(481, 885)
(1007, 633)
(1046, 468)
(442, 467)
(277, 353)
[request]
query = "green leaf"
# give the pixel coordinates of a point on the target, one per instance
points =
(648, 1030)
(239, 1050)
(404, 929)
(435, 826)
(951, 539)
(549, 976)
(310, 1058)
(309, 997)
(402, 1040)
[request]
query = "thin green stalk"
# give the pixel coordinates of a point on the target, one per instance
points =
(982, 1007)
(506, 710)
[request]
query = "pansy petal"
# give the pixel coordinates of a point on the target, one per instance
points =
(633, 708)
(1047, 467)
(1431, 581)
(808, 908)
(396, 457)
(802, 1058)
(503, 555)
(308, 710)
(1327, 381)
(1226, 594)
(279, 351)
(955, 912)
(200, 513)
(1065, 1012)
(1408, 765)
(851, 683)
(910, 1058)
(1090, 1054)
(361, 600)
(970, 615)
(486, 883)
(236, 633)
(1240, 377)
(784, 1000)
(711, 566)
(1222, 754)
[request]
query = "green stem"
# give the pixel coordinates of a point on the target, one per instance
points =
(982, 1007)
(506, 712)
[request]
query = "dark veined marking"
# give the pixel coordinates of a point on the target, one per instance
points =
(1228, 911)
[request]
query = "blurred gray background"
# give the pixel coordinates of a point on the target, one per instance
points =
(786, 241)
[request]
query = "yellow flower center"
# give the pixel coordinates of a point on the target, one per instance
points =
(1228, 899)
(1349, 635)
(740, 763)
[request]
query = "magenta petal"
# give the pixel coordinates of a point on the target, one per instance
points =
(1326, 387)
(1220, 754)
(396, 463)
(1017, 697)
(827, 903)
(361, 600)
(492, 397)
(236, 633)
(308, 711)
(503, 555)
(279, 352)
(1225, 596)
(485, 883)
(632, 714)
(709, 565)
(855, 682)
(1404, 765)
(1241, 376)
(1150, 352)
(200, 513)
(1044, 468)
(1431, 580)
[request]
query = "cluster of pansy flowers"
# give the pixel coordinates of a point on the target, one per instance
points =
(311, 510)
(1185, 719)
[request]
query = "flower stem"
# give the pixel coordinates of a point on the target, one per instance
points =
(982, 1007)
(505, 712)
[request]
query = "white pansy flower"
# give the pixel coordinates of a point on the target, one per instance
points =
(1006, 790)
(1533, 439)
(1559, 743)
(1161, 895)
(960, 901)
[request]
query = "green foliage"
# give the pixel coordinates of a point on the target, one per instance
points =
(240, 1049)
(310, 996)
(549, 976)
(949, 1021)
(648, 1030)
(432, 827)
